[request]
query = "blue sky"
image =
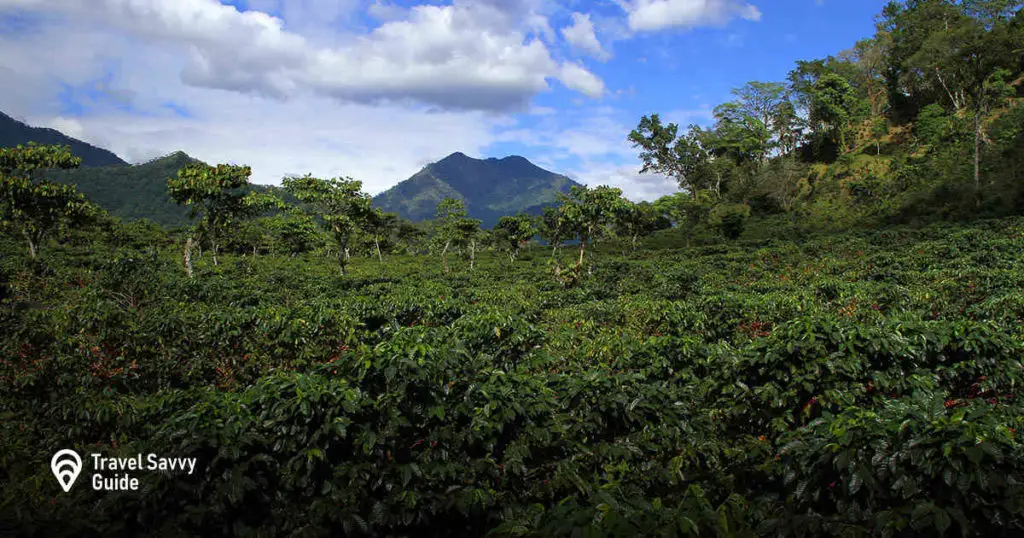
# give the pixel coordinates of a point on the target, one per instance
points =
(375, 89)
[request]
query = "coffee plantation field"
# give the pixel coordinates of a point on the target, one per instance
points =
(847, 385)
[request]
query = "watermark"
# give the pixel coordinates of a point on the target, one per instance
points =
(114, 473)
(66, 466)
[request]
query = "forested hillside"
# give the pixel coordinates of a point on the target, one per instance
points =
(132, 192)
(819, 335)
(14, 133)
(922, 121)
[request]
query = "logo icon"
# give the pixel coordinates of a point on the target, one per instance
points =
(66, 465)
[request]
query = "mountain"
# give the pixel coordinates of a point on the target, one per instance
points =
(490, 188)
(14, 133)
(132, 192)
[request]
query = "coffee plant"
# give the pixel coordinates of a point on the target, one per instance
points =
(850, 385)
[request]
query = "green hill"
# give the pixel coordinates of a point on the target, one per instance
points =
(490, 188)
(132, 192)
(14, 133)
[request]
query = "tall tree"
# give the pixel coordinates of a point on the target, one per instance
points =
(216, 196)
(512, 233)
(552, 227)
(680, 157)
(636, 221)
(590, 213)
(450, 227)
(339, 203)
(761, 100)
(469, 234)
(379, 226)
(834, 107)
(34, 207)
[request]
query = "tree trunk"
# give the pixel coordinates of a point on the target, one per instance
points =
(187, 256)
(444, 256)
(348, 256)
(213, 248)
(554, 249)
(472, 254)
(583, 250)
(977, 159)
(341, 261)
(376, 243)
(31, 246)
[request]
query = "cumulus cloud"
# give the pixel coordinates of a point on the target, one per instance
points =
(589, 145)
(580, 35)
(576, 77)
(306, 93)
(653, 15)
(380, 145)
(470, 54)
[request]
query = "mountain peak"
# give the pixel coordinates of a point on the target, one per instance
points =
(489, 187)
(458, 156)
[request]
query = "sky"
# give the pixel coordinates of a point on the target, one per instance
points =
(377, 89)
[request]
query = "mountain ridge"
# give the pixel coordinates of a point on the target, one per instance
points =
(490, 188)
(14, 133)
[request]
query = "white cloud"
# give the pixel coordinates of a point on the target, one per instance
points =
(590, 146)
(372, 104)
(68, 126)
(380, 145)
(576, 77)
(653, 15)
(580, 35)
(635, 186)
(468, 55)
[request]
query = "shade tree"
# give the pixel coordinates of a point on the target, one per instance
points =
(512, 233)
(339, 204)
(218, 199)
(35, 208)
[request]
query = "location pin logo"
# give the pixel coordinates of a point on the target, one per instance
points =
(65, 466)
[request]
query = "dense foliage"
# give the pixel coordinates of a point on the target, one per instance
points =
(846, 385)
(920, 122)
(718, 362)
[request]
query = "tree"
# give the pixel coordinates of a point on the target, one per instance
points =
(379, 226)
(833, 108)
(216, 196)
(552, 227)
(590, 213)
(879, 130)
(682, 158)
(34, 207)
(453, 227)
(785, 182)
(410, 236)
(768, 103)
(339, 203)
(512, 233)
(635, 221)
(742, 137)
(870, 57)
(684, 210)
(730, 219)
(468, 233)
(994, 92)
